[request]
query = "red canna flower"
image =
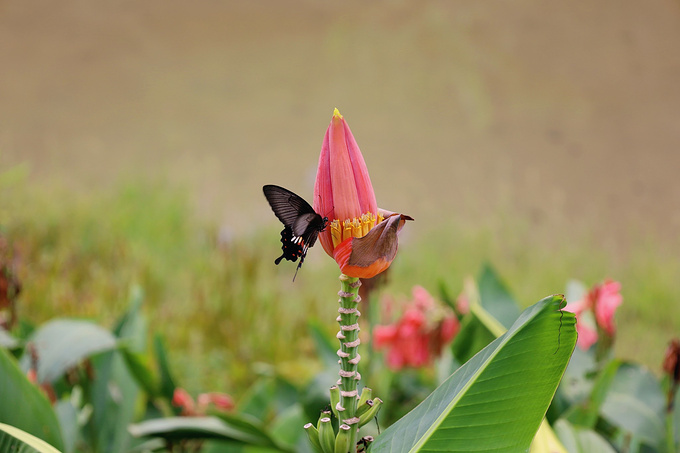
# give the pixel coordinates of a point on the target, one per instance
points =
(419, 335)
(360, 237)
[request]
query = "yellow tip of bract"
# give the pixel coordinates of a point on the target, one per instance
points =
(336, 114)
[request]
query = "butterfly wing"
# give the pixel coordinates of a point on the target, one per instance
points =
(287, 206)
(302, 223)
(306, 226)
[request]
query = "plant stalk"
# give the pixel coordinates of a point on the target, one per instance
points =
(349, 357)
(670, 426)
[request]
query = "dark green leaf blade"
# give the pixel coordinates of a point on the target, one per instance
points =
(472, 338)
(495, 297)
(252, 426)
(496, 401)
(176, 428)
(24, 406)
(167, 382)
(137, 365)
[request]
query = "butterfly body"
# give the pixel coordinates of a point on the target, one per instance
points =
(302, 224)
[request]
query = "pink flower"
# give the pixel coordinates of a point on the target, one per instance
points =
(384, 336)
(601, 301)
(463, 304)
(221, 401)
(419, 335)
(449, 329)
(587, 336)
(411, 321)
(607, 299)
(422, 299)
(182, 399)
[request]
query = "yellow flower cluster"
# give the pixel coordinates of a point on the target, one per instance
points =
(356, 227)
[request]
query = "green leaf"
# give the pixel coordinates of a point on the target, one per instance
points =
(496, 401)
(286, 427)
(68, 421)
(23, 404)
(473, 336)
(167, 383)
(496, 298)
(115, 391)
(7, 340)
(139, 368)
(325, 348)
(178, 428)
(635, 403)
(155, 444)
(580, 377)
(676, 417)
(131, 317)
(267, 397)
(15, 440)
(315, 397)
(61, 344)
(252, 426)
(586, 413)
(581, 440)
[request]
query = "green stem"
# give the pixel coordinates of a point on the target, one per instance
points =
(670, 426)
(349, 357)
(670, 437)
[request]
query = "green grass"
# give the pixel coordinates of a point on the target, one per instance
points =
(224, 307)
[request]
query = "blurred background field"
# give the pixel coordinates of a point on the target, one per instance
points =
(135, 138)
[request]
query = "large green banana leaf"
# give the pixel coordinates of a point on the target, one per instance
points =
(496, 401)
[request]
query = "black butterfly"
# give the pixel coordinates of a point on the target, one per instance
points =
(302, 224)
